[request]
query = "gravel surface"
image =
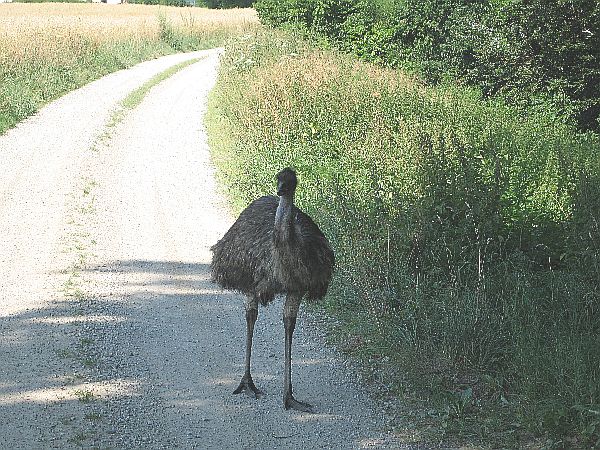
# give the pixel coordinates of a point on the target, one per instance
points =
(111, 334)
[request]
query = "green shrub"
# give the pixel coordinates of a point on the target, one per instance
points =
(324, 16)
(531, 52)
(464, 230)
(536, 47)
(228, 3)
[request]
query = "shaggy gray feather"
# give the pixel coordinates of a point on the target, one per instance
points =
(258, 260)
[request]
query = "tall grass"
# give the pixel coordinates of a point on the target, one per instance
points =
(466, 232)
(49, 49)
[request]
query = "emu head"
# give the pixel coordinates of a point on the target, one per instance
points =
(286, 182)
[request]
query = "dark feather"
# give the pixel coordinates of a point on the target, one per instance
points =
(250, 259)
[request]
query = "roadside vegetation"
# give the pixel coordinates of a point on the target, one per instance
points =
(466, 233)
(49, 49)
(455, 169)
(532, 53)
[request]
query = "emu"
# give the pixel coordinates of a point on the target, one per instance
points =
(274, 248)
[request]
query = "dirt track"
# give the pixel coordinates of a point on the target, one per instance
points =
(111, 335)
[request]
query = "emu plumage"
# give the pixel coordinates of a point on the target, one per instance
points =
(274, 248)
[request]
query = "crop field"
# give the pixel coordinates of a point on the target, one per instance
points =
(47, 49)
(56, 31)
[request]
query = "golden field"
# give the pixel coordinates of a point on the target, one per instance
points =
(48, 49)
(59, 31)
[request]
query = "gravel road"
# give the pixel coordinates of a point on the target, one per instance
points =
(111, 334)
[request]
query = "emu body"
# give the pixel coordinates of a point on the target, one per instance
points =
(274, 248)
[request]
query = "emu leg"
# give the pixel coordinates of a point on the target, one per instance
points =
(247, 385)
(290, 312)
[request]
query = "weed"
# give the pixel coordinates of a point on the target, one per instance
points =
(461, 403)
(84, 395)
(65, 353)
(89, 186)
(74, 379)
(66, 420)
(80, 437)
(93, 417)
(465, 233)
(89, 362)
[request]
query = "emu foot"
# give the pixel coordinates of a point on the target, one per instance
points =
(290, 402)
(247, 386)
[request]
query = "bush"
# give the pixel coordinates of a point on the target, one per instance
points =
(531, 52)
(537, 47)
(466, 231)
(228, 3)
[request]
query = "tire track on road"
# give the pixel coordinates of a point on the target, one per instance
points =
(42, 241)
(141, 350)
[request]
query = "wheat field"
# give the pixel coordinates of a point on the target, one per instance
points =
(59, 31)
(47, 49)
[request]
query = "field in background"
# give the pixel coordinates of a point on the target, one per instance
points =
(48, 49)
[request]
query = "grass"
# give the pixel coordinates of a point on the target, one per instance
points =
(465, 233)
(49, 49)
(84, 395)
(136, 97)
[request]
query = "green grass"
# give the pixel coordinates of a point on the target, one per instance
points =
(465, 232)
(136, 97)
(85, 395)
(26, 88)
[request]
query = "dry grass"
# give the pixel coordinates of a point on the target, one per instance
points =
(48, 49)
(57, 31)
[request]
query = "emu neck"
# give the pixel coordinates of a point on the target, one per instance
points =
(284, 218)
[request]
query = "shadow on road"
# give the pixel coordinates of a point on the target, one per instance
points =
(150, 357)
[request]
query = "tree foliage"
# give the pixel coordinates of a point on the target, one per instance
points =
(221, 4)
(529, 51)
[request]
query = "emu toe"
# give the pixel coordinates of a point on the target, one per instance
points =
(290, 402)
(247, 386)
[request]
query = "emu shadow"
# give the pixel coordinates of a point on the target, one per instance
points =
(161, 349)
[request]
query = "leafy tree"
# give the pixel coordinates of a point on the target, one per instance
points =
(228, 3)
(528, 51)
